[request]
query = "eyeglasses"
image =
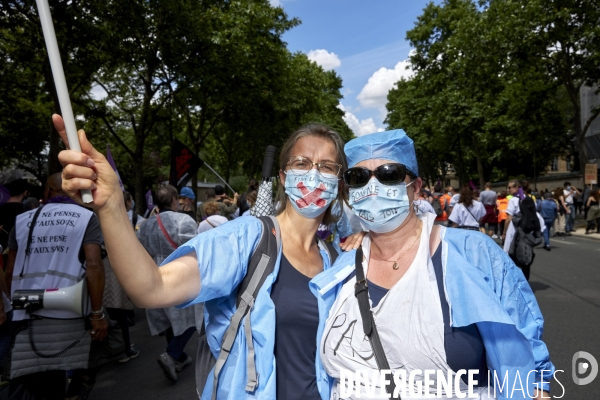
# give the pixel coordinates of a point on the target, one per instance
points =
(299, 163)
(387, 174)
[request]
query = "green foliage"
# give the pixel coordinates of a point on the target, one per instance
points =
(471, 104)
(215, 74)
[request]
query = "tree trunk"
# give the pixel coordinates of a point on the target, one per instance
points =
(479, 164)
(460, 165)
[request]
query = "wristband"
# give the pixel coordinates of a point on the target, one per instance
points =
(98, 319)
(99, 312)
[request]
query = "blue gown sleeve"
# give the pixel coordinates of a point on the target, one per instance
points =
(520, 303)
(223, 255)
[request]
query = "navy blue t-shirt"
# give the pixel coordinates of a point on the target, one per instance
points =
(296, 321)
(464, 346)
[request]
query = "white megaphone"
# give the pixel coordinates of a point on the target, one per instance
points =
(73, 298)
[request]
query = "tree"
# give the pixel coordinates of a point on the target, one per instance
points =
(467, 104)
(28, 96)
(561, 36)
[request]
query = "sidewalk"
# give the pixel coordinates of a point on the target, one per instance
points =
(580, 225)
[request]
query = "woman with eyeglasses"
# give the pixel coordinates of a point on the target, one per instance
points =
(417, 297)
(286, 313)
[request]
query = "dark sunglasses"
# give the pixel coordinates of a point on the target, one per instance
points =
(387, 174)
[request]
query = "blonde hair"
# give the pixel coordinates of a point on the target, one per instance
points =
(324, 132)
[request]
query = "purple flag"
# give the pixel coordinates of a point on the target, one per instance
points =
(149, 200)
(4, 195)
(111, 161)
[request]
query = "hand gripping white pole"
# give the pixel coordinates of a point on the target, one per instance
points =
(60, 83)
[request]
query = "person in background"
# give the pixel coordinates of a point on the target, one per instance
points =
(243, 203)
(6, 313)
(530, 221)
(513, 204)
(585, 196)
(563, 211)
(578, 201)
(227, 206)
(570, 192)
(455, 197)
(58, 269)
(467, 213)
(250, 200)
(31, 203)
(19, 191)
(549, 211)
(488, 198)
(186, 202)
(593, 213)
(231, 205)
(443, 200)
(134, 217)
(210, 197)
(161, 235)
(119, 307)
(502, 204)
(213, 219)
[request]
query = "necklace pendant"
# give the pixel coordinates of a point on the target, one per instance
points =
(395, 266)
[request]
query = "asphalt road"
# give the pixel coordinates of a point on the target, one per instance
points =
(142, 378)
(566, 282)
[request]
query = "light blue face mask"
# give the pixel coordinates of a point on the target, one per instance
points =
(381, 208)
(310, 192)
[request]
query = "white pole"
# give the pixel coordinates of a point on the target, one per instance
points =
(219, 176)
(60, 82)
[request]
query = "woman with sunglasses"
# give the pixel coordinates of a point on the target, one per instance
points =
(417, 297)
(285, 315)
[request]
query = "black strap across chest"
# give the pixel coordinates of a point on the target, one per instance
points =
(361, 292)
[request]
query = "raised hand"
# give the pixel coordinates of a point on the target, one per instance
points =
(87, 170)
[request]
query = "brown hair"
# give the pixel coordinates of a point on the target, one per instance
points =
(466, 196)
(557, 193)
(320, 131)
(595, 194)
(526, 188)
(211, 208)
(251, 197)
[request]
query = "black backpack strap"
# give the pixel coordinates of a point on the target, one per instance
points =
(333, 253)
(261, 265)
(361, 292)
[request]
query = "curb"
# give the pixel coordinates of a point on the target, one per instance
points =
(593, 236)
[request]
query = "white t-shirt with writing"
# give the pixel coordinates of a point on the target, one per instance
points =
(53, 260)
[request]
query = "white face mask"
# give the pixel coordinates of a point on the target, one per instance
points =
(383, 208)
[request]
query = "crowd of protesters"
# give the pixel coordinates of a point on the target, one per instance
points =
(491, 212)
